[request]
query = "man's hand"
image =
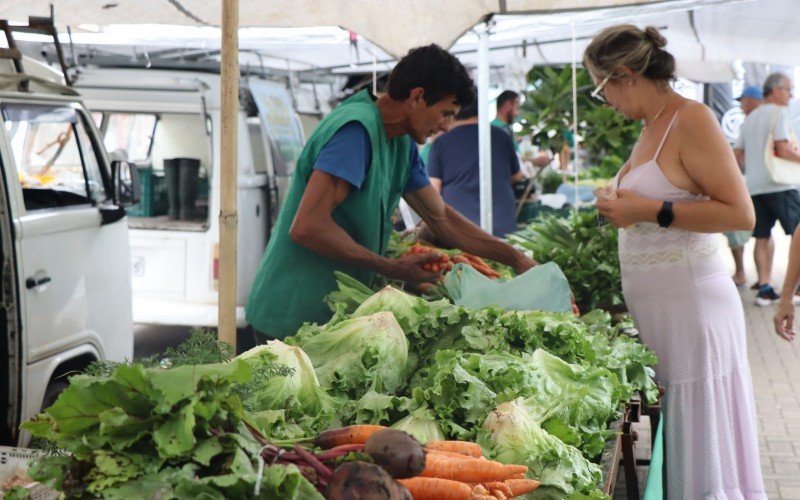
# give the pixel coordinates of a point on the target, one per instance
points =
(408, 268)
(524, 263)
(784, 320)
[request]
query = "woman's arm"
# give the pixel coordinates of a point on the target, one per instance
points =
(709, 162)
(784, 316)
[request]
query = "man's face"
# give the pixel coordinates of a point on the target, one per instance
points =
(748, 104)
(425, 120)
(513, 110)
(784, 93)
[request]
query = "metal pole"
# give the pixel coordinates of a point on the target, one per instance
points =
(575, 141)
(484, 132)
(228, 217)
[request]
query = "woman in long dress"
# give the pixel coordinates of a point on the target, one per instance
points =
(681, 185)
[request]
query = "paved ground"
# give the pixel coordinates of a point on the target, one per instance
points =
(775, 365)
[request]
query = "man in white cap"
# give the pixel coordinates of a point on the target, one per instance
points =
(751, 98)
(773, 202)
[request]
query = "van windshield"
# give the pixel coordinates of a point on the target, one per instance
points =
(55, 158)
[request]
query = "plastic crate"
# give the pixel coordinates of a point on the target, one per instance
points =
(14, 464)
(154, 200)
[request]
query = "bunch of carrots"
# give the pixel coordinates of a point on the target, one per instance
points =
(445, 263)
(454, 470)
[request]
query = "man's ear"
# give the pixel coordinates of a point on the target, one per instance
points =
(416, 96)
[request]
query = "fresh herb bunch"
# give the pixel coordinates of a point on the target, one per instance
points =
(586, 253)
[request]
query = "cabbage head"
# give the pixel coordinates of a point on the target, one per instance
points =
(299, 391)
(512, 436)
(422, 425)
(350, 355)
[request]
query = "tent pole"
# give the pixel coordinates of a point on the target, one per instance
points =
(228, 217)
(575, 142)
(484, 132)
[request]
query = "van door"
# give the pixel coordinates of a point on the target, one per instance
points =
(10, 363)
(74, 253)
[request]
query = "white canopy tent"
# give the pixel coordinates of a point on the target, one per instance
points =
(710, 31)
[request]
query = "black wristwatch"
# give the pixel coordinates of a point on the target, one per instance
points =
(665, 215)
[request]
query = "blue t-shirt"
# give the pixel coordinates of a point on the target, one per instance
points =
(454, 160)
(348, 155)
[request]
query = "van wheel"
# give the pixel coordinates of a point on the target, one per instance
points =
(54, 389)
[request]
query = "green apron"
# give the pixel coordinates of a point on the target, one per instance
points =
(292, 281)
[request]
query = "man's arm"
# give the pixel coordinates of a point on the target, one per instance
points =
(314, 228)
(786, 150)
(437, 184)
(739, 154)
(518, 177)
(456, 231)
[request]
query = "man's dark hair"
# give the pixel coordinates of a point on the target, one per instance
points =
(434, 69)
(506, 96)
(469, 110)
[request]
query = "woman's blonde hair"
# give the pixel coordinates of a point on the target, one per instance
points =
(627, 45)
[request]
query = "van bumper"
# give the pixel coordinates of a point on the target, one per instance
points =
(171, 312)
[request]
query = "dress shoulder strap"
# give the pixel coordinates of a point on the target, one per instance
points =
(666, 133)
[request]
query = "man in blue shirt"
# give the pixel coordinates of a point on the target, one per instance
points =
(454, 171)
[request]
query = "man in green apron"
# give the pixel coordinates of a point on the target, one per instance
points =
(347, 184)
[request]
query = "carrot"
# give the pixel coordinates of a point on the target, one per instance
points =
(521, 487)
(462, 447)
(354, 434)
(498, 495)
(431, 488)
(460, 259)
(475, 496)
(500, 486)
(479, 489)
(452, 454)
(468, 469)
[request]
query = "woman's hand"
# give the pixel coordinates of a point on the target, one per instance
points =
(784, 319)
(628, 209)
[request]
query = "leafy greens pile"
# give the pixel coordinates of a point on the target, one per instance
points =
(532, 387)
(144, 431)
(586, 253)
(565, 378)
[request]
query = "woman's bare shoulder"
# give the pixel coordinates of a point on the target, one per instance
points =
(693, 113)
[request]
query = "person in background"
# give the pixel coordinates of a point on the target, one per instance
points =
(784, 314)
(357, 164)
(773, 202)
(454, 171)
(750, 99)
(507, 112)
(681, 185)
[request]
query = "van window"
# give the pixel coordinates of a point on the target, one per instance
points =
(130, 132)
(56, 162)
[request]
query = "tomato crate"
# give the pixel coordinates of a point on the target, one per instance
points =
(153, 200)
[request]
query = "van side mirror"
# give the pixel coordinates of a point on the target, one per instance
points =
(125, 179)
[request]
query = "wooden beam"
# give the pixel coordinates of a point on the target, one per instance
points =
(228, 216)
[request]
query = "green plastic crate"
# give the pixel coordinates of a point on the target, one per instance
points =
(153, 201)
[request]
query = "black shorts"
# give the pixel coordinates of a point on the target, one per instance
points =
(783, 206)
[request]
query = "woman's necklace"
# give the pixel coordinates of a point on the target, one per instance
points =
(656, 116)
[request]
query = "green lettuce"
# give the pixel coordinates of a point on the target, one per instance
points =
(348, 356)
(512, 436)
(421, 424)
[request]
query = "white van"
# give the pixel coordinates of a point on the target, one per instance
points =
(65, 268)
(157, 117)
